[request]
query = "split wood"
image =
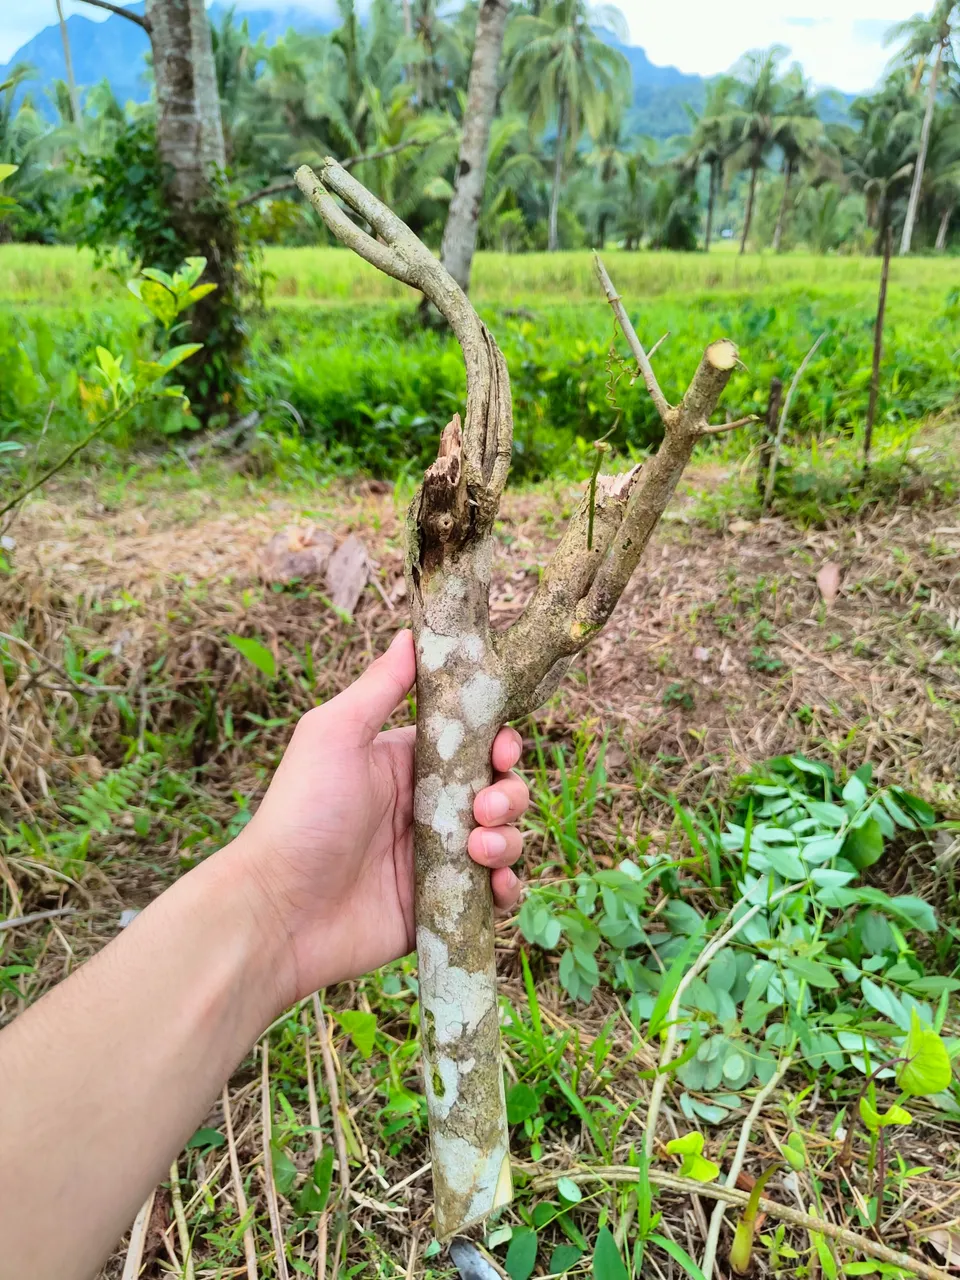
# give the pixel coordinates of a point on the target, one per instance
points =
(470, 681)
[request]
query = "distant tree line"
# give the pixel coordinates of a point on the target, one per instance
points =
(563, 170)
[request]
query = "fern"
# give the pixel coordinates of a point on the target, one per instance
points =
(99, 804)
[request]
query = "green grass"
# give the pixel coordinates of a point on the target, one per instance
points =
(63, 276)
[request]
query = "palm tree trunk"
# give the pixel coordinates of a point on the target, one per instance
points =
(711, 200)
(460, 233)
(748, 216)
(943, 228)
(553, 238)
(914, 202)
(191, 147)
(782, 214)
(68, 62)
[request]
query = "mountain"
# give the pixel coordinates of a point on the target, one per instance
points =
(116, 49)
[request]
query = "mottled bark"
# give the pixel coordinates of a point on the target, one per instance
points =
(463, 218)
(469, 681)
(191, 147)
(748, 216)
(913, 204)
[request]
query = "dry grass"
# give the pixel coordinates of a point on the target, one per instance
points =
(685, 682)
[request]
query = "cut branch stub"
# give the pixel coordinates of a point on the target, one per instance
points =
(469, 682)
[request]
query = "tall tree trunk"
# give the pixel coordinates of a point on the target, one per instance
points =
(191, 148)
(711, 201)
(913, 203)
(782, 213)
(407, 20)
(463, 218)
(748, 216)
(553, 237)
(943, 229)
(602, 219)
(68, 62)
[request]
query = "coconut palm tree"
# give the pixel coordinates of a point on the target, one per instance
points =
(927, 40)
(710, 141)
(564, 74)
(879, 155)
(800, 135)
(607, 159)
(754, 121)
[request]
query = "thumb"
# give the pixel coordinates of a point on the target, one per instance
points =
(371, 699)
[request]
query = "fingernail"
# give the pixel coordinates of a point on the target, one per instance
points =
(496, 804)
(493, 843)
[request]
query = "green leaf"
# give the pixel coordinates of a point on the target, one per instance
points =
(694, 1165)
(522, 1102)
(927, 1069)
(159, 301)
(190, 272)
(522, 1255)
(159, 277)
(864, 844)
(316, 1193)
(563, 1258)
(10, 446)
(679, 1255)
(569, 1190)
(284, 1170)
(204, 1139)
(817, 974)
(361, 1028)
(854, 793)
(607, 1263)
(176, 355)
(671, 980)
(7, 170)
(201, 291)
(876, 1120)
(255, 652)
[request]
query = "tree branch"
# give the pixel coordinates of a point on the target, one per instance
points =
(488, 421)
(728, 426)
(121, 13)
(351, 162)
(662, 405)
(583, 581)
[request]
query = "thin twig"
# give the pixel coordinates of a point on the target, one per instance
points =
(728, 426)
(657, 345)
(333, 1092)
(736, 1164)
(249, 1245)
(339, 1137)
(113, 417)
(782, 425)
(712, 1191)
(183, 1231)
(351, 162)
(670, 1039)
(276, 1226)
(660, 401)
(138, 1235)
(121, 13)
(58, 671)
(16, 921)
(317, 1141)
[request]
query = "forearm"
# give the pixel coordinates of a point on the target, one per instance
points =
(103, 1081)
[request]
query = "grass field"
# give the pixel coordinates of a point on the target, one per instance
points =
(64, 276)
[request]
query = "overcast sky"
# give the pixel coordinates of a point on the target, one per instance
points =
(839, 42)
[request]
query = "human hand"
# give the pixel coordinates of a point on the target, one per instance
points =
(331, 847)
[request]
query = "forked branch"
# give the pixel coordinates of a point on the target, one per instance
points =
(396, 251)
(585, 578)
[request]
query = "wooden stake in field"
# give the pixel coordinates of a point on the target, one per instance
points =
(767, 435)
(877, 349)
(469, 681)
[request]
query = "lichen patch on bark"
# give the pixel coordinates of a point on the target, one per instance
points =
(461, 1000)
(435, 649)
(447, 735)
(482, 699)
